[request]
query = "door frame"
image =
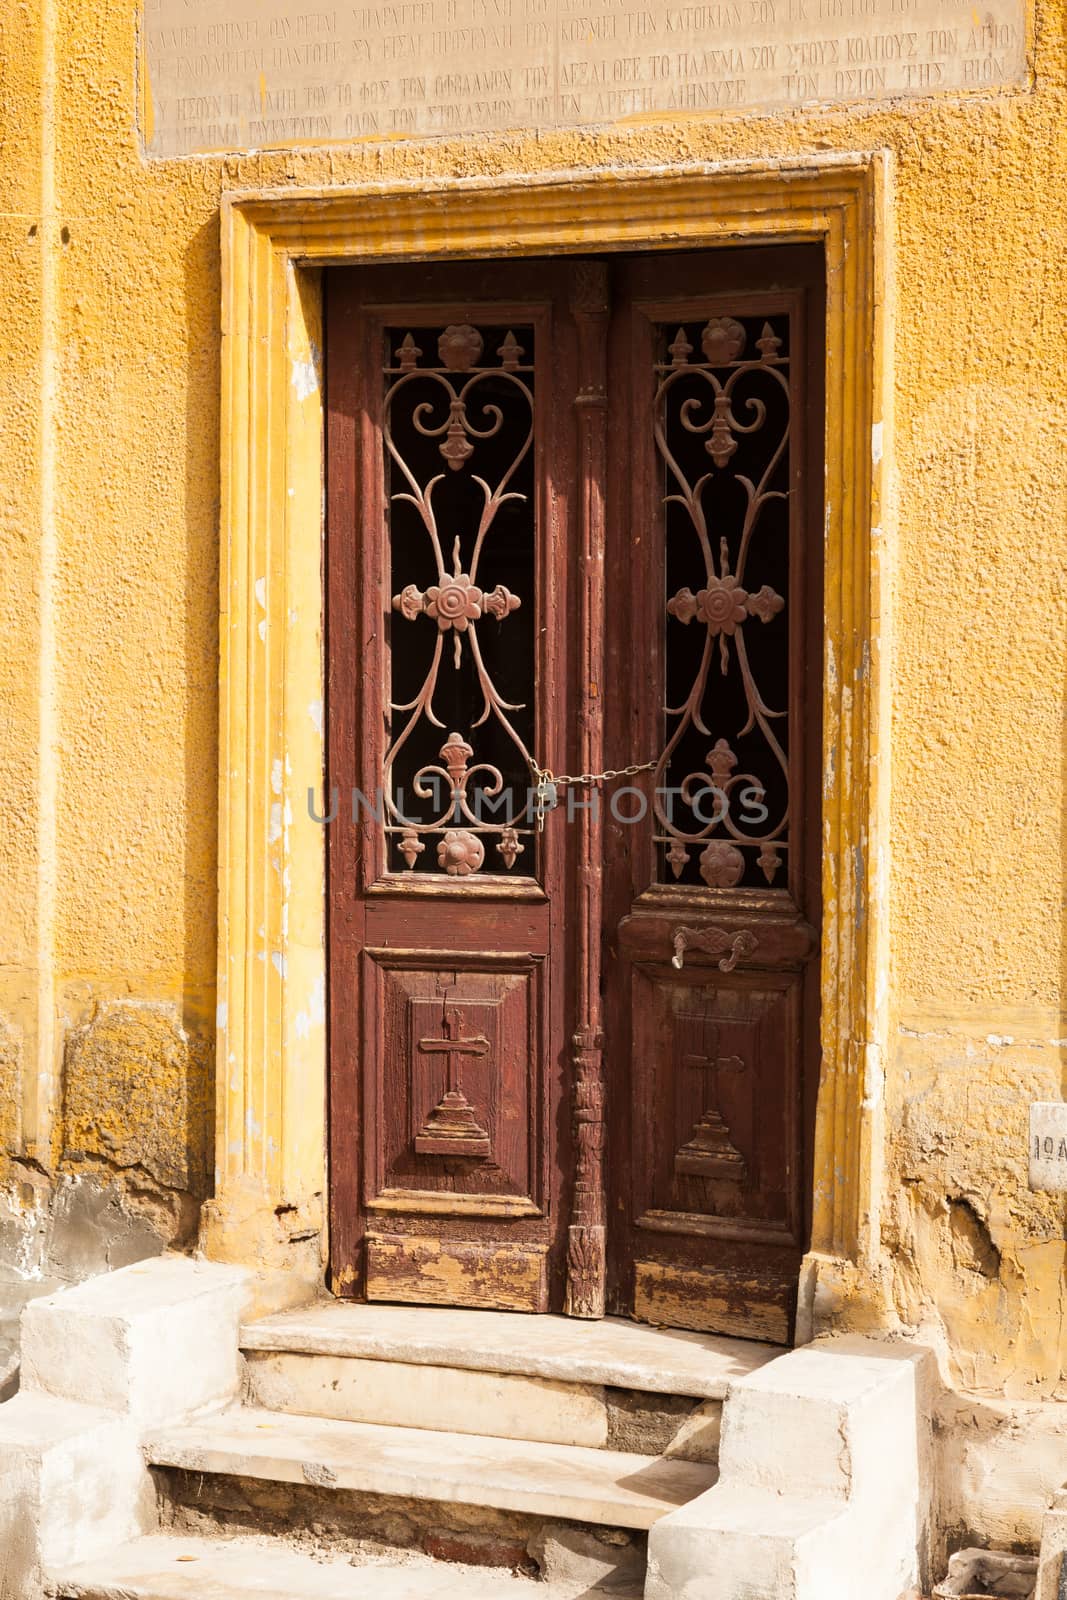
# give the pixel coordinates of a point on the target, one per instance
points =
(271, 1179)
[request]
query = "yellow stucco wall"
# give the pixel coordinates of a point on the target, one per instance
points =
(109, 485)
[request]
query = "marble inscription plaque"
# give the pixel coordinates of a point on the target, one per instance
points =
(249, 74)
(1048, 1146)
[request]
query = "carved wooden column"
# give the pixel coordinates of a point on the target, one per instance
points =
(586, 1253)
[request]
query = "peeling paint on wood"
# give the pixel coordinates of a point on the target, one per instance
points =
(427, 1271)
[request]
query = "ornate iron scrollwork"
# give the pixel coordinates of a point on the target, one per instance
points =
(725, 823)
(476, 416)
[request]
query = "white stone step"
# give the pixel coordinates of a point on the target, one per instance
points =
(186, 1568)
(573, 1483)
(613, 1352)
(405, 1394)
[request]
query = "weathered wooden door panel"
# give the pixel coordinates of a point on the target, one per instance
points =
(457, 1131)
(450, 470)
(461, 1124)
(719, 1212)
(574, 521)
(712, 897)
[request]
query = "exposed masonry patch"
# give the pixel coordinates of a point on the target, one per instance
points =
(973, 1249)
(645, 1423)
(316, 1516)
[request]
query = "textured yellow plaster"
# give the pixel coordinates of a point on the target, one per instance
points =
(109, 486)
(10, 1086)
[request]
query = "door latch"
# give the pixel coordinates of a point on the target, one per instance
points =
(732, 947)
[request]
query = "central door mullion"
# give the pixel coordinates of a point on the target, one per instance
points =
(586, 1249)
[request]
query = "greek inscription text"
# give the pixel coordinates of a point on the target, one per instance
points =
(245, 74)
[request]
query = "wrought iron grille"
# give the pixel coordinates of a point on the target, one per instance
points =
(722, 428)
(459, 416)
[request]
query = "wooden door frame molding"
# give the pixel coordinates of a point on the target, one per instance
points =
(271, 1062)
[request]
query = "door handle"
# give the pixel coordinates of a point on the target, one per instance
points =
(732, 947)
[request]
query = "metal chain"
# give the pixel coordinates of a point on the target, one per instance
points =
(585, 780)
(549, 783)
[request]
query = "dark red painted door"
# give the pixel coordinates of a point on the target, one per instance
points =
(712, 898)
(451, 488)
(572, 1054)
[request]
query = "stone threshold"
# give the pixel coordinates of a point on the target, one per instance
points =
(620, 1354)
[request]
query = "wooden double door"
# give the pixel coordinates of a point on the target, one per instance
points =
(574, 672)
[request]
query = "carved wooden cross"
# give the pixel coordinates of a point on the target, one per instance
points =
(452, 1128)
(455, 1044)
(710, 1151)
(714, 1065)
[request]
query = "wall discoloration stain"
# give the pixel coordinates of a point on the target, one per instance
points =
(138, 1095)
(10, 1086)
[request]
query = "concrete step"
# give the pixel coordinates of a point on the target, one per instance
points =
(612, 1384)
(612, 1352)
(164, 1567)
(563, 1482)
(405, 1394)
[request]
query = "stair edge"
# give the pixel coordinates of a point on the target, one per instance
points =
(278, 1335)
(191, 1447)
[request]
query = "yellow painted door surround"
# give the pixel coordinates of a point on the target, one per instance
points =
(271, 1177)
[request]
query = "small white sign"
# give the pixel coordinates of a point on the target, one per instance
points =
(1048, 1146)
